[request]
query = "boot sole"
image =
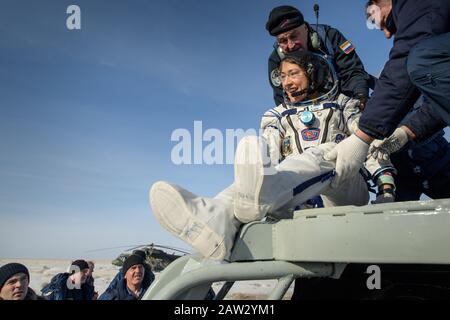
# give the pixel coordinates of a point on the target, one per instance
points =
(165, 200)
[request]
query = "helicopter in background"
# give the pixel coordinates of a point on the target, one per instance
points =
(155, 255)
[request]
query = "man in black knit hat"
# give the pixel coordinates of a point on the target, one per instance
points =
(132, 286)
(149, 276)
(70, 286)
(14, 281)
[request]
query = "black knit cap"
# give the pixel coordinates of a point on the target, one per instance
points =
(283, 19)
(140, 253)
(132, 260)
(82, 264)
(10, 269)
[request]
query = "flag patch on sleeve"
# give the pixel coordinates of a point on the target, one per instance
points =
(347, 47)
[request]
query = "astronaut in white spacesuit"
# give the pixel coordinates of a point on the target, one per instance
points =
(278, 172)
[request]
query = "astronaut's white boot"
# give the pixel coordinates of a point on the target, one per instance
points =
(249, 176)
(208, 225)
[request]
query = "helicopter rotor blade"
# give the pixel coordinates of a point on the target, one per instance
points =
(111, 248)
(172, 248)
(134, 247)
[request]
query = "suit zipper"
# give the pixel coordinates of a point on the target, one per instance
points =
(327, 121)
(297, 140)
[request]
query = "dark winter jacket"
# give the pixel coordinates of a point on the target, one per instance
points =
(121, 292)
(394, 94)
(90, 287)
(149, 277)
(353, 78)
(58, 289)
(31, 295)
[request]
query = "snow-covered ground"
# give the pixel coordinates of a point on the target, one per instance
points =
(41, 271)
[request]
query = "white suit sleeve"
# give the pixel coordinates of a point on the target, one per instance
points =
(351, 113)
(273, 133)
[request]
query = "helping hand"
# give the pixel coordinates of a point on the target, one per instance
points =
(381, 149)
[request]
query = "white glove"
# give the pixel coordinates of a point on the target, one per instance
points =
(350, 155)
(381, 149)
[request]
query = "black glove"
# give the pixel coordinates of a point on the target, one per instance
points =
(362, 99)
(385, 196)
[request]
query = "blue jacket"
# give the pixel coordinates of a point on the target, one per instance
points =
(149, 277)
(117, 288)
(394, 93)
(57, 289)
(120, 291)
(90, 287)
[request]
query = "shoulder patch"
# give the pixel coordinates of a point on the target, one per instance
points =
(275, 77)
(347, 47)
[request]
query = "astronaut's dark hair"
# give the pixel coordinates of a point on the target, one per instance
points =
(294, 61)
(301, 63)
(315, 70)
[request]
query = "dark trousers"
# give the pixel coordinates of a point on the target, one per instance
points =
(429, 71)
(423, 169)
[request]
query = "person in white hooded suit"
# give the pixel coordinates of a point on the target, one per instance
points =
(278, 172)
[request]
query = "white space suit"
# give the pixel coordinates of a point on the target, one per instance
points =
(273, 174)
(300, 172)
(313, 130)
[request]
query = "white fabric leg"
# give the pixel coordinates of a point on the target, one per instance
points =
(226, 195)
(295, 180)
(300, 178)
(208, 225)
(353, 193)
